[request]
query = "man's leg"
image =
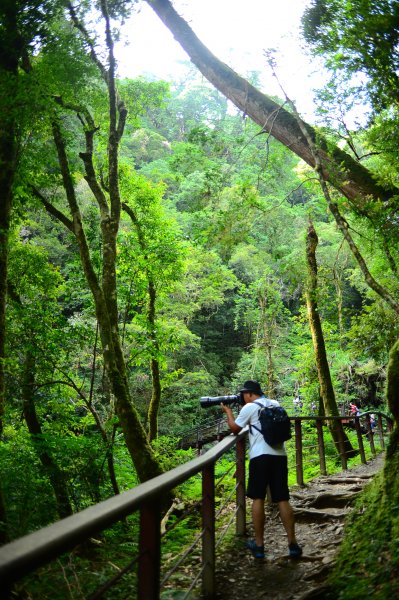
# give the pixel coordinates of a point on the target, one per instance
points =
(287, 518)
(258, 519)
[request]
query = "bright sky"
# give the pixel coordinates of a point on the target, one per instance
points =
(237, 32)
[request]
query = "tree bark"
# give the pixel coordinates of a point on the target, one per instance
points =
(153, 409)
(8, 160)
(10, 50)
(268, 324)
(393, 382)
(339, 168)
(323, 370)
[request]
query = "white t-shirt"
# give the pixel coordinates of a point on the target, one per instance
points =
(249, 416)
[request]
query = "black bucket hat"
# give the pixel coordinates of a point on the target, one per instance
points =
(252, 386)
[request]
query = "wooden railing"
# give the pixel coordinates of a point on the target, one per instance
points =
(23, 556)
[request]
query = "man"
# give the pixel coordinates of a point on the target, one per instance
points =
(267, 467)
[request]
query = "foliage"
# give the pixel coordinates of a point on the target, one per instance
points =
(214, 220)
(358, 36)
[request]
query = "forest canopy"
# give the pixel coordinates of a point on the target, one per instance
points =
(153, 244)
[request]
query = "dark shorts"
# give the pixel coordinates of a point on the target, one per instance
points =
(267, 470)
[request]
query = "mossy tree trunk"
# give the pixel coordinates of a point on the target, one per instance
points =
(104, 289)
(323, 370)
(7, 168)
(10, 51)
(153, 409)
(156, 394)
(268, 323)
(393, 382)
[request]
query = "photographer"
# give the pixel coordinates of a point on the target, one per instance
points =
(267, 467)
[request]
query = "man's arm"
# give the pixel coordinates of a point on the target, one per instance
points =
(230, 419)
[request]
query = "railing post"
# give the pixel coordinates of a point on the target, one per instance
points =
(240, 490)
(320, 442)
(149, 561)
(339, 428)
(370, 434)
(360, 440)
(208, 526)
(298, 453)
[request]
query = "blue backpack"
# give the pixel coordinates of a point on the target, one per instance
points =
(275, 424)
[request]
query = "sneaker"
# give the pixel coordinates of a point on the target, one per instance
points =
(257, 551)
(295, 551)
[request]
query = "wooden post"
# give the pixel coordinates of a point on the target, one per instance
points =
(370, 435)
(320, 442)
(240, 491)
(299, 455)
(208, 526)
(341, 444)
(380, 431)
(360, 440)
(149, 561)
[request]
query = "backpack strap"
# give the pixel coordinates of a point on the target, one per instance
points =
(254, 426)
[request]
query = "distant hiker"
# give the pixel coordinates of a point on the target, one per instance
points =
(372, 422)
(267, 467)
(297, 404)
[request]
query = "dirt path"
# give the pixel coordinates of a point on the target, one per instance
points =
(320, 509)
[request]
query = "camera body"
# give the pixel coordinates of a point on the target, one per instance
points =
(208, 401)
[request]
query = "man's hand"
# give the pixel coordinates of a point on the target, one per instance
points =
(230, 419)
(226, 408)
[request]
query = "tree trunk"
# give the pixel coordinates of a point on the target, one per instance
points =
(105, 292)
(339, 291)
(56, 477)
(323, 370)
(9, 56)
(4, 537)
(155, 401)
(8, 152)
(347, 175)
(393, 382)
(100, 425)
(108, 443)
(153, 409)
(7, 149)
(268, 328)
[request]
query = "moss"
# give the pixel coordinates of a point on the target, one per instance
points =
(393, 381)
(368, 561)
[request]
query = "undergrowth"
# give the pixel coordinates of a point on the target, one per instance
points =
(368, 560)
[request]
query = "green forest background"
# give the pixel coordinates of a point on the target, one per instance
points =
(153, 250)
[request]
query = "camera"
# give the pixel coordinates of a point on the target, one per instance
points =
(207, 401)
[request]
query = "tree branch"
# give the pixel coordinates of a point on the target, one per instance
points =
(347, 175)
(52, 210)
(343, 224)
(79, 25)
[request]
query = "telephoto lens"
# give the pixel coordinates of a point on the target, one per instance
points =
(207, 401)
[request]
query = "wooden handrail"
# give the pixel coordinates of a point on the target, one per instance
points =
(24, 555)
